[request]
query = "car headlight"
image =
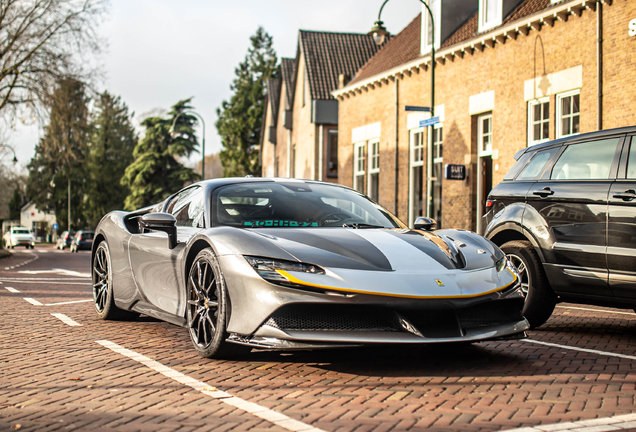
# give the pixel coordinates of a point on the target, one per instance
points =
(501, 264)
(267, 268)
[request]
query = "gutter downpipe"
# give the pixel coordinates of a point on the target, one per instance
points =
(397, 141)
(599, 64)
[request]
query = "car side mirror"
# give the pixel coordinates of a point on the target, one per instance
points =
(424, 223)
(160, 222)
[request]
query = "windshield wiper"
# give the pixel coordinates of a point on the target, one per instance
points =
(361, 225)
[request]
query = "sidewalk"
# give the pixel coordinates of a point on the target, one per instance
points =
(4, 253)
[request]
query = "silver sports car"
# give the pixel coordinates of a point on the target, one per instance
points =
(288, 264)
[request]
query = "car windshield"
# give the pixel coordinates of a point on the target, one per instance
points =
(21, 231)
(297, 205)
(87, 235)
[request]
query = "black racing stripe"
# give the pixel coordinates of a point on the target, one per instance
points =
(422, 242)
(340, 248)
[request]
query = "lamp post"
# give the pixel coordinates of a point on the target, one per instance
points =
(379, 33)
(172, 132)
(6, 146)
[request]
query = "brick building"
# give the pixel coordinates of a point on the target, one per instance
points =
(300, 135)
(509, 74)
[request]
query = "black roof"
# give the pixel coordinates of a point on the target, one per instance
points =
(576, 138)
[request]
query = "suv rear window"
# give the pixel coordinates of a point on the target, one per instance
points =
(586, 161)
(535, 167)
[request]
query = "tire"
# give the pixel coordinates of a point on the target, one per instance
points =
(207, 309)
(103, 300)
(540, 299)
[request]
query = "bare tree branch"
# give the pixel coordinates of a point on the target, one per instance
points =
(42, 42)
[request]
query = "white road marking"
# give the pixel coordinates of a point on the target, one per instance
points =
(250, 407)
(68, 302)
(66, 320)
(587, 350)
(596, 310)
(58, 271)
(33, 301)
(621, 422)
(11, 289)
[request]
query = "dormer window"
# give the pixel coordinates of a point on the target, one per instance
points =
(490, 14)
(427, 29)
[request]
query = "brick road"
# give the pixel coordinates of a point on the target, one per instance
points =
(57, 377)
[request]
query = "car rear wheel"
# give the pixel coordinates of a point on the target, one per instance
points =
(540, 299)
(208, 309)
(103, 287)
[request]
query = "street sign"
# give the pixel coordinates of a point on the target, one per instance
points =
(417, 108)
(55, 226)
(429, 122)
(455, 172)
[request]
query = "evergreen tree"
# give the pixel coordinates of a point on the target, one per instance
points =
(62, 154)
(113, 140)
(156, 173)
(16, 203)
(241, 119)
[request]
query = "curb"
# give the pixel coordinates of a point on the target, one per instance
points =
(4, 253)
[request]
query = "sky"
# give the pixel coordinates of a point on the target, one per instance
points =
(162, 51)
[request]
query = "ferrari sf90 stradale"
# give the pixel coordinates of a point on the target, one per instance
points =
(288, 264)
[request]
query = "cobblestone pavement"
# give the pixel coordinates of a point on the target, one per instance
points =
(145, 376)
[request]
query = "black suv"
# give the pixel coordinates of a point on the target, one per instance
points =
(565, 214)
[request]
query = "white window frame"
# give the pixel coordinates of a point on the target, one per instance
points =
(483, 24)
(436, 158)
(480, 135)
(559, 114)
(413, 163)
(436, 8)
(372, 158)
(531, 120)
(357, 163)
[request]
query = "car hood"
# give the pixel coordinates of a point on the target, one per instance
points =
(382, 249)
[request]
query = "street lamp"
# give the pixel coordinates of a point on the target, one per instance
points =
(379, 33)
(6, 146)
(173, 133)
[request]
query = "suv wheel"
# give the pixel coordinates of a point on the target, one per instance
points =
(540, 299)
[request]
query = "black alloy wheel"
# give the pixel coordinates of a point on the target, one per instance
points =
(103, 287)
(540, 299)
(207, 309)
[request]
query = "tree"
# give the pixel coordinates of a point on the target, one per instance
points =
(156, 173)
(43, 42)
(16, 203)
(241, 119)
(113, 140)
(61, 155)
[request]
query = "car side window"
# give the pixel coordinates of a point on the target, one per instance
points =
(631, 160)
(188, 208)
(586, 161)
(535, 167)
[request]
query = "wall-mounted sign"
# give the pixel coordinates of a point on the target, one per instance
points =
(429, 122)
(454, 172)
(417, 108)
(632, 27)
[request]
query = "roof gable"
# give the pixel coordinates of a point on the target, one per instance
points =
(327, 55)
(288, 72)
(273, 96)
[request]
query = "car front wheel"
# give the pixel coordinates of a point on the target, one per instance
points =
(540, 299)
(208, 308)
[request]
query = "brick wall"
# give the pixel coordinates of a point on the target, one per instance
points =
(504, 69)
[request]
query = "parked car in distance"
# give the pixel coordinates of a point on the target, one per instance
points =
(19, 236)
(565, 215)
(83, 240)
(64, 240)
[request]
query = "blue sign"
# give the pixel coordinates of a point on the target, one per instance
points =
(429, 122)
(417, 108)
(55, 226)
(455, 172)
